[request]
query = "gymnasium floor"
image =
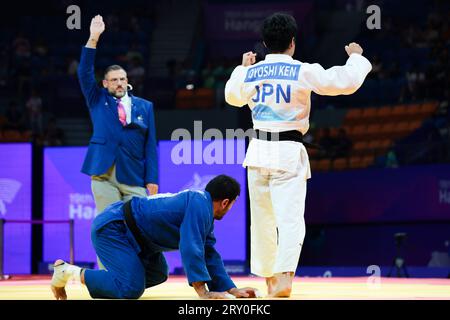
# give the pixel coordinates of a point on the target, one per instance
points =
(37, 288)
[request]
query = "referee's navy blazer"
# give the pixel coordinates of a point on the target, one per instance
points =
(132, 147)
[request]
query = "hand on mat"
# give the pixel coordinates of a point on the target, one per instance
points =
(245, 292)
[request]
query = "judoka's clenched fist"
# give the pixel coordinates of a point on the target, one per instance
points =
(353, 48)
(248, 59)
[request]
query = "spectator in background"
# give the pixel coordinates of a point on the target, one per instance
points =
(112, 21)
(391, 159)
(377, 71)
(343, 144)
(136, 75)
(72, 66)
(14, 117)
(415, 81)
(21, 63)
(186, 76)
(208, 79)
(4, 67)
(21, 46)
(34, 113)
(53, 136)
(134, 53)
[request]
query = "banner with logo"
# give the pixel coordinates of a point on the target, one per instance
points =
(244, 21)
(232, 29)
(15, 204)
(67, 195)
(408, 194)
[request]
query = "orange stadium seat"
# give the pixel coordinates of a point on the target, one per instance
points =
(399, 112)
(358, 132)
(413, 112)
(401, 129)
(204, 98)
(26, 136)
(367, 161)
(12, 136)
(355, 163)
(313, 165)
(414, 125)
(352, 116)
(368, 115)
(334, 132)
(340, 164)
(184, 99)
(387, 130)
(374, 146)
(312, 153)
(428, 108)
(385, 145)
(323, 165)
(373, 130)
(384, 113)
(360, 147)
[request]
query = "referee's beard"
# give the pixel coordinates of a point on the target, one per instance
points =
(118, 92)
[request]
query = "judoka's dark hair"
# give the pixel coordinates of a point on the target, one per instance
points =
(113, 67)
(223, 187)
(278, 30)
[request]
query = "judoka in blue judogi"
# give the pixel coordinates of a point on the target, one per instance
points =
(130, 238)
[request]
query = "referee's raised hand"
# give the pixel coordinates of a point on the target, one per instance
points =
(97, 27)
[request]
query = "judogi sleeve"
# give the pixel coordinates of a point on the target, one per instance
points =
(193, 232)
(336, 80)
(151, 156)
(234, 87)
(86, 76)
(221, 281)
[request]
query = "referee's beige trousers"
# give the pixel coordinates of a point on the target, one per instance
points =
(107, 190)
(277, 225)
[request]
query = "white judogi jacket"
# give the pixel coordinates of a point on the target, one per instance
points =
(278, 91)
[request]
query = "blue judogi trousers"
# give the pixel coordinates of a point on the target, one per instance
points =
(129, 271)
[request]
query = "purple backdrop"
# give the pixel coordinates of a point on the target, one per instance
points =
(231, 231)
(15, 204)
(67, 194)
(232, 29)
(417, 193)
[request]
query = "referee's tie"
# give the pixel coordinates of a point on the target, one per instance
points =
(122, 113)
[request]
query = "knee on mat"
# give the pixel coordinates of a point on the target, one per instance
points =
(132, 292)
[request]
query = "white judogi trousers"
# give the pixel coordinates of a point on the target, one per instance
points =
(277, 204)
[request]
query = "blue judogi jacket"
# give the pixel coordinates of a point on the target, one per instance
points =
(132, 147)
(181, 221)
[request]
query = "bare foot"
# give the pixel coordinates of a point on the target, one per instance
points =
(58, 291)
(282, 286)
(270, 282)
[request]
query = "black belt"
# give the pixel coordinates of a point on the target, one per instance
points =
(292, 135)
(131, 223)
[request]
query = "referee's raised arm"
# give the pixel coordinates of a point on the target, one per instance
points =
(86, 74)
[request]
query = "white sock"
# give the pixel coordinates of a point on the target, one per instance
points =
(64, 272)
(74, 271)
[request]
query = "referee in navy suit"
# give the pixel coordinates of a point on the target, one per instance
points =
(122, 157)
